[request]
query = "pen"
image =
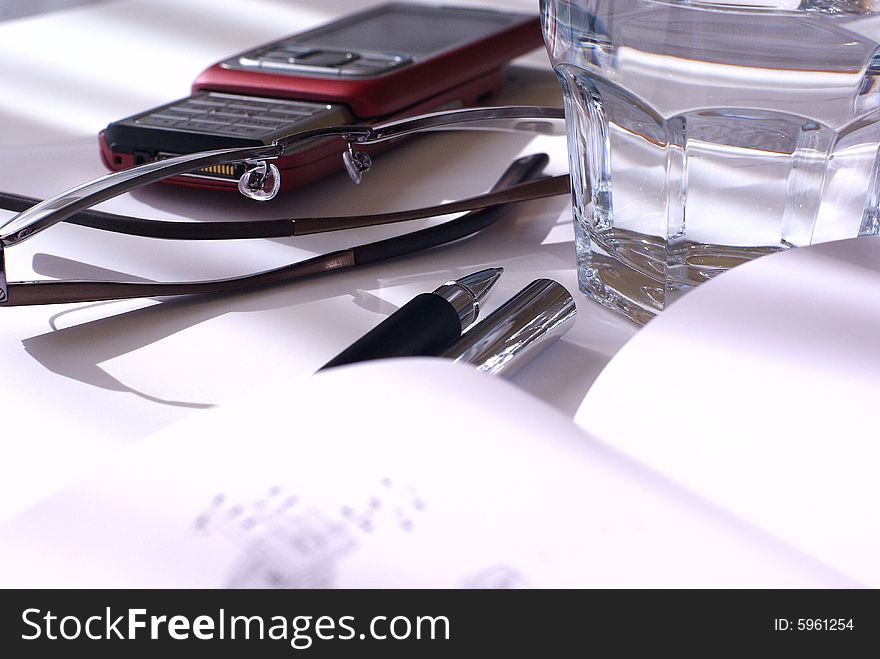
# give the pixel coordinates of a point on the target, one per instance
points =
(516, 332)
(426, 325)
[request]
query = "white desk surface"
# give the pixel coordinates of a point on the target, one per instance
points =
(80, 381)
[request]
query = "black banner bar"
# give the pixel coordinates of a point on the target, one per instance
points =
(317, 623)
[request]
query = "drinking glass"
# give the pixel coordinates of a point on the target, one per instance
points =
(704, 134)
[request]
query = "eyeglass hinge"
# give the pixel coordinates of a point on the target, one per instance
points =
(357, 134)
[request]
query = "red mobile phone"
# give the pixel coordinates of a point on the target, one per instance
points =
(388, 61)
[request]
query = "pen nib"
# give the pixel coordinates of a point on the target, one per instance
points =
(480, 282)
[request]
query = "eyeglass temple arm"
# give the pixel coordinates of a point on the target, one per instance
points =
(284, 228)
(522, 169)
(54, 291)
(546, 187)
(58, 208)
(531, 118)
(4, 287)
(47, 213)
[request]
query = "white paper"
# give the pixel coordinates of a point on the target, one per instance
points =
(399, 473)
(759, 390)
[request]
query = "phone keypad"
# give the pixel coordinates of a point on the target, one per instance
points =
(231, 115)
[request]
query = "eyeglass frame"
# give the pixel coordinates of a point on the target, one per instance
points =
(261, 181)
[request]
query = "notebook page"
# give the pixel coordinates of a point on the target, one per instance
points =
(759, 390)
(401, 473)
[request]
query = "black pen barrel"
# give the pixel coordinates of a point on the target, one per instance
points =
(425, 326)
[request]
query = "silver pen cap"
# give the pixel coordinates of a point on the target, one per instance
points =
(512, 335)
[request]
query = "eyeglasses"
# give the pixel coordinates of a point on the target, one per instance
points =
(261, 181)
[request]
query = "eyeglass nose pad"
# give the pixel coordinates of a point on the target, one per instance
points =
(261, 181)
(357, 163)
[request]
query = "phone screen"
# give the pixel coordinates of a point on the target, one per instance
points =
(405, 29)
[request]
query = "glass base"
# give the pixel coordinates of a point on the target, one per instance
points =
(624, 271)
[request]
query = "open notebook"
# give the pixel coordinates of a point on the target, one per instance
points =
(729, 444)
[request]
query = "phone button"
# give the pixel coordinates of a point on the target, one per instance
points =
(371, 66)
(325, 58)
(250, 62)
(159, 121)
